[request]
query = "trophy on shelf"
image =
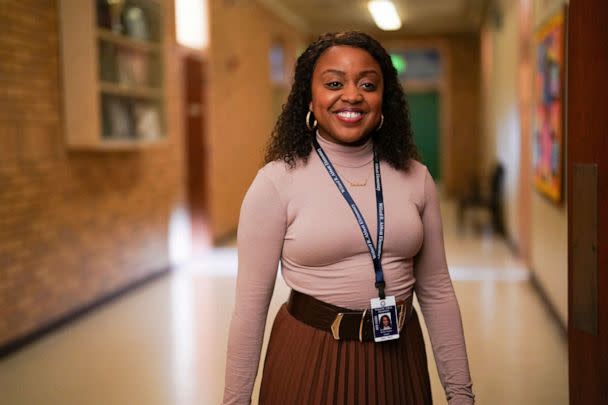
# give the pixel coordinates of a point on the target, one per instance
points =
(135, 24)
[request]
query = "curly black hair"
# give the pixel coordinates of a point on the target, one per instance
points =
(292, 140)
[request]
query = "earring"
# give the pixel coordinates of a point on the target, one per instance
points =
(314, 124)
(381, 122)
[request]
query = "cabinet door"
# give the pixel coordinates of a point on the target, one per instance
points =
(81, 107)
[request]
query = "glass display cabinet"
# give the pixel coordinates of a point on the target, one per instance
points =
(112, 68)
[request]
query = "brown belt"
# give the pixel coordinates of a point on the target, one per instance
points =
(342, 323)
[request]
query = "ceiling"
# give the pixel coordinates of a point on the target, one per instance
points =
(418, 16)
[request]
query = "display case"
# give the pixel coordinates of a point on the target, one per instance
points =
(113, 81)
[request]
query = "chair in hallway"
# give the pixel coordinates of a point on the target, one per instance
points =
(492, 201)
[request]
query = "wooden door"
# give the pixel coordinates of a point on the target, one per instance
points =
(587, 158)
(196, 151)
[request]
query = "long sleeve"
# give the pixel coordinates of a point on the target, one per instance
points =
(439, 305)
(260, 237)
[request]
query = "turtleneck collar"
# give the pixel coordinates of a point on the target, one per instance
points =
(347, 156)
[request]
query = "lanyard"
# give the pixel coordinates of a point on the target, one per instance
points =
(376, 253)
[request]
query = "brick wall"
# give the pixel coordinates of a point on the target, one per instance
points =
(74, 226)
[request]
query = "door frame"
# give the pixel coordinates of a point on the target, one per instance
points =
(587, 143)
(199, 224)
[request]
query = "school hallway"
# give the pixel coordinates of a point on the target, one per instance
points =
(165, 343)
(131, 130)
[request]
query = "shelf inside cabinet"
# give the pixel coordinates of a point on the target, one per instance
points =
(114, 99)
(131, 144)
(121, 40)
(125, 145)
(122, 90)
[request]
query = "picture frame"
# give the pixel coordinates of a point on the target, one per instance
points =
(548, 134)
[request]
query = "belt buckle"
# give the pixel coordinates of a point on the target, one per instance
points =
(361, 325)
(335, 326)
(401, 317)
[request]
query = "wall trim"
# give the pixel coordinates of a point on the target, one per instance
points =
(225, 238)
(511, 242)
(548, 304)
(14, 345)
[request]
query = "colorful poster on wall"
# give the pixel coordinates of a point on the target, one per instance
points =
(548, 136)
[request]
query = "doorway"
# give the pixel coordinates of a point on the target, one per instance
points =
(196, 149)
(424, 113)
(423, 71)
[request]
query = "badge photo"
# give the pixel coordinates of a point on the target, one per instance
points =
(385, 321)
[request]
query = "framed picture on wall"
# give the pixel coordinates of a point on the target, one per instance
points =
(549, 81)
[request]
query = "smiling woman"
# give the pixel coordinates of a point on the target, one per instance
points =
(393, 140)
(347, 89)
(346, 117)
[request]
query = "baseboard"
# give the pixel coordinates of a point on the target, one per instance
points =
(20, 342)
(551, 309)
(511, 244)
(225, 238)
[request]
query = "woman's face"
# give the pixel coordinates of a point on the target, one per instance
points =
(385, 321)
(347, 89)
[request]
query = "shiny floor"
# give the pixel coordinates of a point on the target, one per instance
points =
(165, 343)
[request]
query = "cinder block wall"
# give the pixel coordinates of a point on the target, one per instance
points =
(74, 226)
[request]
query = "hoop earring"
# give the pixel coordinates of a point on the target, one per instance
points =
(381, 122)
(314, 124)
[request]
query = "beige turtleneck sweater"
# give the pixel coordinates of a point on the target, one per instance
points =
(297, 217)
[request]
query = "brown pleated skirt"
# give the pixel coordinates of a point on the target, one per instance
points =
(305, 365)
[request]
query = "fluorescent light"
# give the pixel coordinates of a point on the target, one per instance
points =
(191, 23)
(384, 14)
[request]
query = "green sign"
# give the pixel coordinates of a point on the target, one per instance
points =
(399, 63)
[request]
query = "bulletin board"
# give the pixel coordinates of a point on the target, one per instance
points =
(549, 83)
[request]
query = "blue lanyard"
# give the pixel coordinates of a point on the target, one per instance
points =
(376, 253)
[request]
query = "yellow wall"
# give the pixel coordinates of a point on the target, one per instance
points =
(240, 101)
(546, 249)
(503, 143)
(463, 150)
(549, 241)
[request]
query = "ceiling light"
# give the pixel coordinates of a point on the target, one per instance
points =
(384, 14)
(191, 23)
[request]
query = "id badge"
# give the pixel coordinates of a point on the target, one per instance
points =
(384, 319)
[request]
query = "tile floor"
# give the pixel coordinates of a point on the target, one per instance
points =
(165, 343)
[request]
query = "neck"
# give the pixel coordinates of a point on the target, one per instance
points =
(348, 155)
(358, 142)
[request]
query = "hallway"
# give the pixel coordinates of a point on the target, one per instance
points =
(165, 343)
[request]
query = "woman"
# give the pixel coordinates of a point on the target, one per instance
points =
(385, 322)
(342, 157)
